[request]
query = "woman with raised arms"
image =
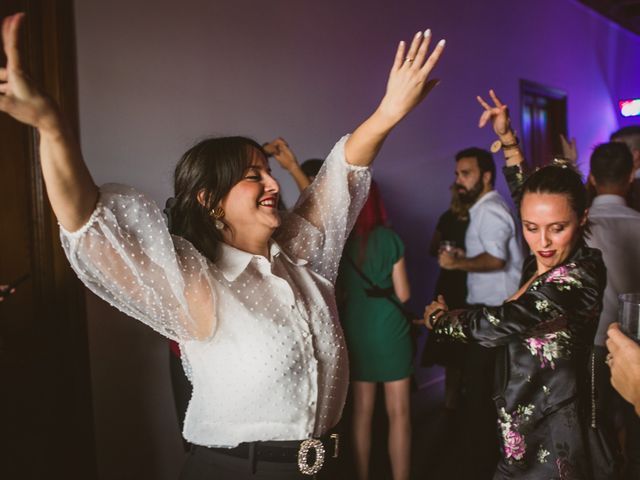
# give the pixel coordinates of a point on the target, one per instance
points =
(249, 296)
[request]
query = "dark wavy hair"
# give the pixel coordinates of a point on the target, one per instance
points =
(214, 166)
(561, 180)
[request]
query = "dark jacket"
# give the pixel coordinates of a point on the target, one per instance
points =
(543, 388)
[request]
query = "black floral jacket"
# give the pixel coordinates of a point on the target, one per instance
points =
(546, 337)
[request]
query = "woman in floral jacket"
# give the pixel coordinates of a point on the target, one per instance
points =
(544, 394)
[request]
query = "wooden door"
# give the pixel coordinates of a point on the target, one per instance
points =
(46, 424)
(544, 118)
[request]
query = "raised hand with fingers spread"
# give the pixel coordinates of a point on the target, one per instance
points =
(18, 95)
(498, 115)
(569, 149)
(71, 190)
(407, 86)
(409, 80)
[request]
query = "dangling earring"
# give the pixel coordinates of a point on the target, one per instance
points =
(217, 214)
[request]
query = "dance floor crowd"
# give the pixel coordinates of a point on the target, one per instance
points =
(279, 316)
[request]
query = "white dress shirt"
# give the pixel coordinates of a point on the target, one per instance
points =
(274, 366)
(492, 229)
(615, 231)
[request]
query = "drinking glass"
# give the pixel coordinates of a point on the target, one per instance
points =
(629, 315)
(447, 246)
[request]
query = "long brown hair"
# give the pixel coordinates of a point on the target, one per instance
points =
(214, 166)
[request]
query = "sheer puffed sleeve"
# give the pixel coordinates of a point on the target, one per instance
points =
(319, 224)
(126, 256)
(570, 292)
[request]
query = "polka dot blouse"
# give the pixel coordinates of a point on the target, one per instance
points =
(271, 363)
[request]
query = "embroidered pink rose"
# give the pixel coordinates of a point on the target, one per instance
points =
(514, 445)
(510, 424)
(563, 278)
(547, 348)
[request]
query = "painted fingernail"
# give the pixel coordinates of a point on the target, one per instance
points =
(427, 32)
(442, 43)
(419, 34)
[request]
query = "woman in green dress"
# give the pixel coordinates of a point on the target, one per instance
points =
(377, 334)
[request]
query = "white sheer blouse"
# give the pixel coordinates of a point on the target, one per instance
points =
(271, 363)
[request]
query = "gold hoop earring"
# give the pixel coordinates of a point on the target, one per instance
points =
(217, 214)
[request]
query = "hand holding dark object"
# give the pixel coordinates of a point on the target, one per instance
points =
(5, 291)
(434, 311)
(447, 260)
(624, 362)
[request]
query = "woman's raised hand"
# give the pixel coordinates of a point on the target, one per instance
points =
(70, 188)
(409, 80)
(18, 95)
(498, 115)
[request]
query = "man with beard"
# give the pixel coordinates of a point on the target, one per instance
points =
(493, 262)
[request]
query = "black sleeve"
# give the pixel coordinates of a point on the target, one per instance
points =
(544, 308)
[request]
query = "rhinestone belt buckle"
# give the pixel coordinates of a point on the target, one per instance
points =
(303, 461)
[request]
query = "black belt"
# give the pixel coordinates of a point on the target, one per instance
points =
(309, 454)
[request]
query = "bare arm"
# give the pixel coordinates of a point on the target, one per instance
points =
(406, 88)
(485, 262)
(400, 281)
(71, 190)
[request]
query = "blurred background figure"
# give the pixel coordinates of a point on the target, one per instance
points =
(615, 231)
(452, 284)
(377, 333)
(493, 261)
(630, 136)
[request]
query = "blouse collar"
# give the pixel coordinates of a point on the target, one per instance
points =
(232, 261)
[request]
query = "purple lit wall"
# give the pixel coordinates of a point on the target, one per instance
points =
(154, 77)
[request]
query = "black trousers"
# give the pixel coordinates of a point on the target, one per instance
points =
(609, 404)
(207, 464)
(479, 440)
(632, 442)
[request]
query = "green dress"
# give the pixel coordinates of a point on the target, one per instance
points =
(377, 334)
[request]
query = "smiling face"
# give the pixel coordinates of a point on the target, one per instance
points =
(550, 226)
(251, 206)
